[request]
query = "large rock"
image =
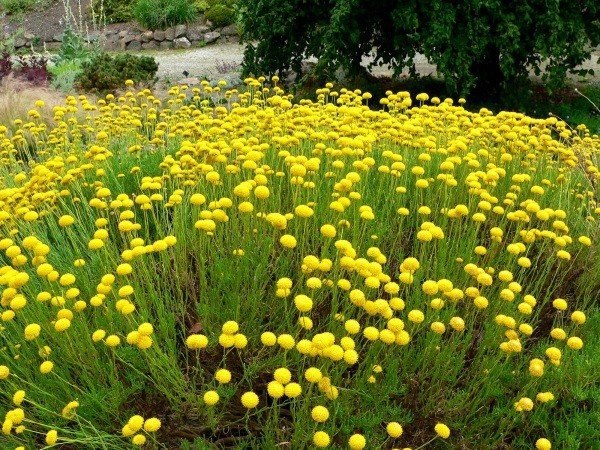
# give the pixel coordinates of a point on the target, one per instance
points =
(197, 32)
(173, 33)
(182, 42)
(111, 46)
(166, 45)
(159, 35)
(152, 45)
(230, 30)
(211, 36)
(134, 45)
(147, 36)
(180, 30)
(127, 38)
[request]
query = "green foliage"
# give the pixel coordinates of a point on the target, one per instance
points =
(114, 11)
(64, 74)
(159, 14)
(105, 73)
(75, 47)
(74, 51)
(488, 46)
(18, 6)
(221, 15)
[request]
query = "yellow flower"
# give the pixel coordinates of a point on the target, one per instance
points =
(46, 367)
(292, 390)
(320, 414)
(288, 241)
(275, 389)
(321, 439)
(249, 400)
(575, 343)
(442, 430)
(196, 341)
(357, 442)
(139, 440)
(211, 398)
(543, 444)
(51, 437)
(394, 429)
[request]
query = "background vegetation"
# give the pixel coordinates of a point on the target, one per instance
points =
(486, 47)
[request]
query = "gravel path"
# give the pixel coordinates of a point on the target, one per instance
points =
(223, 61)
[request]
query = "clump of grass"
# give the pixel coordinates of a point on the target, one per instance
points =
(17, 97)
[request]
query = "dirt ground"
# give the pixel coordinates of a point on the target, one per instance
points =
(50, 19)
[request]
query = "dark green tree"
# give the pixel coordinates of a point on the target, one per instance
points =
(485, 45)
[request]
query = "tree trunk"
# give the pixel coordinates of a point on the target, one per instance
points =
(489, 77)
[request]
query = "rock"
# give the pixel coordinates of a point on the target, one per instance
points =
(209, 24)
(57, 38)
(111, 46)
(123, 33)
(182, 42)
(134, 45)
(152, 45)
(127, 38)
(191, 81)
(159, 35)
(20, 42)
(94, 36)
(170, 34)
(147, 36)
(166, 45)
(180, 30)
(29, 36)
(230, 30)
(197, 32)
(211, 36)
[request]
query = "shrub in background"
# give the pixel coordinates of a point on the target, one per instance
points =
(220, 15)
(73, 52)
(105, 73)
(160, 14)
(114, 11)
(31, 69)
(18, 6)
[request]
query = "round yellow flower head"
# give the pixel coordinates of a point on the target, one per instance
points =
(250, 400)
(357, 442)
(211, 398)
(321, 439)
(543, 444)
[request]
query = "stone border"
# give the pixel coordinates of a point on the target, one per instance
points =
(123, 37)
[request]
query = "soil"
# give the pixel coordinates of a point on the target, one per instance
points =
(49, 19)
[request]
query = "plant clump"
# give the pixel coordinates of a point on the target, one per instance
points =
(176, 274)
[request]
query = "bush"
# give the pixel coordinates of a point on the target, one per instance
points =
(486, 45)
(64, 74)
(220, 15)
(105, 73)
(18, 6)
(74, 51)
(114, 11)
(312, 272)
(32, 69)
(160, 14)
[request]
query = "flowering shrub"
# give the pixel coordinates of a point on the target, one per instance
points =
(317, 273)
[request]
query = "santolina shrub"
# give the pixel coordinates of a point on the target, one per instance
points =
(317, 273)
